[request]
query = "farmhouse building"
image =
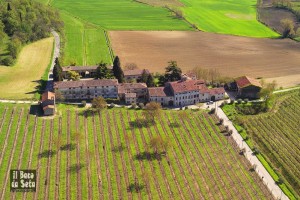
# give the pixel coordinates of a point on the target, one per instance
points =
(184, 92)
(132, 92)
(83, 71)
(88, 89)
(48, 103)
(247, 87)
(134, 74)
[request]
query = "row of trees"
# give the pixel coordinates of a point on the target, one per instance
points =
(22, 22)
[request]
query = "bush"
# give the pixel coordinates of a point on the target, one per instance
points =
(246, 100)
(239, 101)
(231, 101)
(212, 111)
(112, 105)
(83, 103)
(133, 105)
(255, 151)
(141, 105)
(186, 108)
(8, 61)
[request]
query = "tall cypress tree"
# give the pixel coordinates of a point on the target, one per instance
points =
(150, 81)
(117, 70)
(57, 71)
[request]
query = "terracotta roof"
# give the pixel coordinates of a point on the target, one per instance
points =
(214, 91)
(123, 87)
(48, 96)
(79, 68)
(159, 92)
(245, 81)
(186, 86)
(135, 72)
(130, 95)
(49, 106)
(86, 83)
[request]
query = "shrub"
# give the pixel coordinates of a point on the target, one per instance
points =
(83, 104)
(112, 105)
(255, 151)
(133, 105)
(186, 108)
(212, 111)
(239, 101)
(231, 101)
(141, 105)
(8, 61)
(246, 100)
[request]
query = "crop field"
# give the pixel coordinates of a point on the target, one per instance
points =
(85, 44)
(122, 15)
(104, 155)
(227, 17)
(231, 55)
(276, 134)
(20, 81)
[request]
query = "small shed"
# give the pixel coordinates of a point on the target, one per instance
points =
(247, 87)
(48, 103)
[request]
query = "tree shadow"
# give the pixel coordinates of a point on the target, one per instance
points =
(174, 125)
(47, 154)
(75, 168)
(135, 187)
(141, 122)
(118, 149)
(149, 156)
(68, 147)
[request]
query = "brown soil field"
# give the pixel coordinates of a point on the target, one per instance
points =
(231, 55)
(272, 16)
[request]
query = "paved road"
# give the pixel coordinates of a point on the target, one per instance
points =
(49, 85)
(260, 169)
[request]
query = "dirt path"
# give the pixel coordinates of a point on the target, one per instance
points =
(231, 55)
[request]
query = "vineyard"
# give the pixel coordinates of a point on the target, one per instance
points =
(276, 134)
(106, 155)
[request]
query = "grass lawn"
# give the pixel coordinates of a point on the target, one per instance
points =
(122, 15)
(226, 16)
(19, 81)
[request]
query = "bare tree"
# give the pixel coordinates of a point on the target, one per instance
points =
(152, 110)
(288, 28)
(130, 66)
(99, 103)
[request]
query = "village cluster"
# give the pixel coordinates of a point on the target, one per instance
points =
(184, 92)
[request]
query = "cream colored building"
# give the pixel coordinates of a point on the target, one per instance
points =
(88, 89)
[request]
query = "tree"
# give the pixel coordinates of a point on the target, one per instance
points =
(144, 76)
(117, 70)
(103, 72)
(288, 28)
(72, 75)
(173, 72)
(99, 103)
(152, 110)
(14, 47)
(59, 96)
(150, 81)
(266, 93)
(159, 144)
(57, 71)
(298, 32)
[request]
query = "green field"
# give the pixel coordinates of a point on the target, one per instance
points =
(226, 16)
(276, 134)
(85, 44)
(100, 155)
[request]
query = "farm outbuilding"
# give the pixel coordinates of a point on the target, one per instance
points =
(48, 103)
(247, 87)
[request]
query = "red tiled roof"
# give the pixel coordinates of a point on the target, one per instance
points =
(159, 92)
(135, 72)
(214, 91)
(123, 87)
(185, 86)
(79, 68)
(86, 83)
(48, 96)
(245, 81)
(130, 95)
